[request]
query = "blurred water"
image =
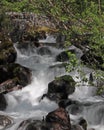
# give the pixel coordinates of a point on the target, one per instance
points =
(25, 103)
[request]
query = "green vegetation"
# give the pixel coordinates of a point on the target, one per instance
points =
(82, 21)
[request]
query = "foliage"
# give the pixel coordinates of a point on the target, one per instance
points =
(80, 20)
(73, 62)
(77, 18)
(99, 77)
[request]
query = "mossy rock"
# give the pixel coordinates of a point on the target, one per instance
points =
(64, 56)
(62, 87)
(13, 70)
(5, 45)
(5, 42)
(8, 55)
(7, 51)
(23, 74)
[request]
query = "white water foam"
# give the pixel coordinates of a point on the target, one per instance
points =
(25, 103)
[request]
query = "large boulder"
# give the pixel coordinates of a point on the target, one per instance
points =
(7, 51)
(55, 120)
(59, 119)
(10, 85)
(3, 103)
(13, 75)
(61, 87)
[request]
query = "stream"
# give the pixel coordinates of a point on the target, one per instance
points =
(26, 103)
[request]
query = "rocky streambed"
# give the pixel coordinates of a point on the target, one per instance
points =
(37, 93)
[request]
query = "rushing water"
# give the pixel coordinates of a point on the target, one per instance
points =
(26, 103)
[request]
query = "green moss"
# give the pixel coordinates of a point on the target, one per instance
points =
(5, 53)
(66, 78)
(100, 90)
(5, 42)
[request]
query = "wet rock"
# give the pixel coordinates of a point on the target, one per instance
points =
(31, 124)
(28, 44)
(76, 127)
(5, 122)
(61, 86)
(3, 103)
(22, 73)
(55, 120)
(64, 56)
(59, 119)
(28, 40)
(14, 75)
(91, 129)
(10, 85)
(83, 123)
(55, 96)
(75, 109)
(93, 60)
(44, 51)
(7, 51)
(66, 103)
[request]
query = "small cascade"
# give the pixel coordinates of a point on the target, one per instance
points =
(26, 103)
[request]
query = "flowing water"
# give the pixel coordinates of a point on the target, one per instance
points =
(26, 103)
